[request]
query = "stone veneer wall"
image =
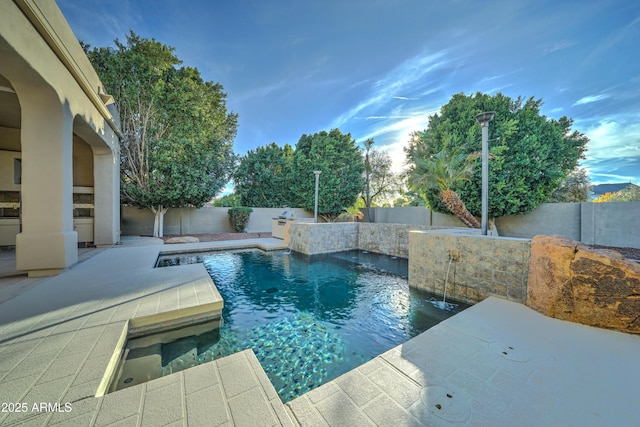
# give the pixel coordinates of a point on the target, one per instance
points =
(570, 281)
(317, 238)
(389, 239)
(482, 266)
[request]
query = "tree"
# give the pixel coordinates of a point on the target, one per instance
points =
(339, 159)
(379, 180)
(530, 154)
(631, 193)
(261, 177)
(227, 201)
(443, 171)
(574, 188)
(177, 146)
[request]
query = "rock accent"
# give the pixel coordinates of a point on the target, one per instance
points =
(181, 239)
(596, 287)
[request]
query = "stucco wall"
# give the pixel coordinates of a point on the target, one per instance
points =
(7, 168)
(82, 163)
(207, 219)
(608, 224)
(548, 219)
(54, 94)
(478, 266)
(9, 139)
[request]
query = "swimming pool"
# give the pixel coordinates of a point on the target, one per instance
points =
(311, 319)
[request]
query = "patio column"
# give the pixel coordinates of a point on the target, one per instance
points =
(106, 178)
(47, 243)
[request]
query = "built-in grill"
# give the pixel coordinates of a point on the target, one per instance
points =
(280, 225)
(286, 216)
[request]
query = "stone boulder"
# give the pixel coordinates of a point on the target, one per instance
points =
(182, 239)
(570, 281)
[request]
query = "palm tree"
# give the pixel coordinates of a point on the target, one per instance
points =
(444, 171)
(351, 214)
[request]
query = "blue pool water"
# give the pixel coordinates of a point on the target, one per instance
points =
(311, 319)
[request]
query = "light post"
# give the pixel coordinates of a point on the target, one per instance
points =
(315, 208)
(484, 119)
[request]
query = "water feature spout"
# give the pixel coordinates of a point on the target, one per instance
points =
(444, 305)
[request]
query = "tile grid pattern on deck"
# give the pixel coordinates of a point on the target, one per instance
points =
(56, 350)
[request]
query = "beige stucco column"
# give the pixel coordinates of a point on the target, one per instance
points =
(106, 217)
(47, 242)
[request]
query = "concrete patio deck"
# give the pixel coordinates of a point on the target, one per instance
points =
(500, 362)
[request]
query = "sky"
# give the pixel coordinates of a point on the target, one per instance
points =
(379, 68)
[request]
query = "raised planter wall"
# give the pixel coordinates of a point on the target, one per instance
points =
(478, 266)
(389, 239)
(318, 238)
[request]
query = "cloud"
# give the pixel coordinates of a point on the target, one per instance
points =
(261, 91)
(401, 79)
(384, 117)
(498, 89)
(620, 33)
(614, 149)
(404, 98)
(115, 24)
(614, 137)
(591, 98)
(562, 44)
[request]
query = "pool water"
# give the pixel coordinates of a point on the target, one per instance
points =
(311, 319)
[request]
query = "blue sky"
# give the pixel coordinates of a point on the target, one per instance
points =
(378, 68)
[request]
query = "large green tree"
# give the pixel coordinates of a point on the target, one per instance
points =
(574, 188)
(339, 159)
(177, 147)
(260, 179)
(530, 153)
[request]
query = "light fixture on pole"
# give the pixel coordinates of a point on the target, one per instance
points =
(484, 119)
(315, 208)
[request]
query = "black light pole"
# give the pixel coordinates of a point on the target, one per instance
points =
(484, 119)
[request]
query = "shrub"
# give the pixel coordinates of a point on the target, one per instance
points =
(239, 217)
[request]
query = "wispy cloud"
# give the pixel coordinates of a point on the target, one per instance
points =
(261, 91)
(404, 98)
(614, 149)
(591, 98)
(562, 44)
(498, 88)
(113, 25)
(400, 79)
(384, 117)
(614, 38)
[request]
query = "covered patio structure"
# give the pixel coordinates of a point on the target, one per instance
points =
(59, 136)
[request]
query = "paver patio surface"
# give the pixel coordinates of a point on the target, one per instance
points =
(497, 363)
